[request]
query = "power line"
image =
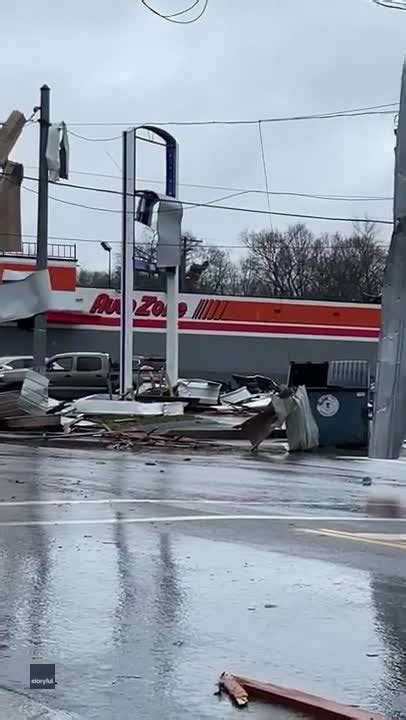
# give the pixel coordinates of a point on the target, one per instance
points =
(357, 198)
(352, 112)
(115, 137)
(170, 18)
(392, 4)
(181, 12)
(209, 205)
(315, 196)
(268, 197)
(97, 241)
(119, 212)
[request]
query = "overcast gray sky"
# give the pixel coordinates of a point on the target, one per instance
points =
(117, 62)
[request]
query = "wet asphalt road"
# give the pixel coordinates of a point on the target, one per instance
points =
(143, 577)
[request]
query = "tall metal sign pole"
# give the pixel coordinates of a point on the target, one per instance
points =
(389, 421)
(128, 241)
(172, 271)
(127, 263)
(40, 321)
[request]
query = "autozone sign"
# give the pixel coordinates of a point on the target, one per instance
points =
(149, 306)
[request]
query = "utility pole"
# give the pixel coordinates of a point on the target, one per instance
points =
(389, 419)
(40, 321)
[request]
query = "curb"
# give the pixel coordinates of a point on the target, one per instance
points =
(296, 700)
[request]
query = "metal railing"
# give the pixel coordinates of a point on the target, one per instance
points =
(55, 251)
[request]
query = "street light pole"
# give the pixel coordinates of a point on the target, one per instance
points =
(107, 247)
(40, 321)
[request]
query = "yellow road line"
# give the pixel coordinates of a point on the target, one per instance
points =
(342, 535)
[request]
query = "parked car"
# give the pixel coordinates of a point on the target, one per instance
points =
(71, 375)
(74, 375)
(13, 369)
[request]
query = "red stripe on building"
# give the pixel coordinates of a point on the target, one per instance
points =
(95, 321)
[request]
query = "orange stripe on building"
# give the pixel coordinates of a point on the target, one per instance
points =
(62, 278)
(297, 313)
(213, 309)
(220, 309)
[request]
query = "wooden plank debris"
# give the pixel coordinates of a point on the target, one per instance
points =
(233, 688)
(313, 705)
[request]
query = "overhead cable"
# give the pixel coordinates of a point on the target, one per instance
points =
(314, 196)
(385, 109)
(172, 18)
(212, 204)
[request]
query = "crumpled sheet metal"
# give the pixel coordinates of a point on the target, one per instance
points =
(25, 298)
(301, 428)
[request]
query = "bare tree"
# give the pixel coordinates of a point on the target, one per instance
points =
(295, 263)
(353, 266)
(283, 263)
(292, 264)
(220, 274)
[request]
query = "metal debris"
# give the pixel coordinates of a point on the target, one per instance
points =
(301, 701)
(203, 392)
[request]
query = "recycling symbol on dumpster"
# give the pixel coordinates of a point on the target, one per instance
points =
(328, 405)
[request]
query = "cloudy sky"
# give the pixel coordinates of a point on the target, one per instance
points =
(115, 62)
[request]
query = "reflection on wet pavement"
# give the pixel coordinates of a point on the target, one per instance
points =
(180, 604)
(141, 619)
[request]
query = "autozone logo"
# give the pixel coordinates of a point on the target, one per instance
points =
(148, 306)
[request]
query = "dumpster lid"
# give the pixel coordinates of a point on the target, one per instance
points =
(349, 374)
(336, 373)
(313, 375)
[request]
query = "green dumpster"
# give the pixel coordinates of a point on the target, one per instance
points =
(338, 393)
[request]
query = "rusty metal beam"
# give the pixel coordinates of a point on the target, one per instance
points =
(313, 705)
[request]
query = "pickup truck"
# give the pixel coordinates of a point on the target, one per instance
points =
(71, 375)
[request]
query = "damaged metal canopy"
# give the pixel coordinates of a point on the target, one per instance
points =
(25, 298)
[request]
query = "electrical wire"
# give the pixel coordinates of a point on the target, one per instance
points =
(97, 241)
(170, 18)
(313, 196)
(89, 139)
(112, 210)
(172, 15)
(391, 4)
(185, 11)
(353, 112)
(377, 221)
(115, 137)
(268, 197)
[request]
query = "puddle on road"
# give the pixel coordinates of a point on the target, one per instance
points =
(173, 612)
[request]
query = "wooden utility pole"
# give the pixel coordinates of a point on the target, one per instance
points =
(40, 321)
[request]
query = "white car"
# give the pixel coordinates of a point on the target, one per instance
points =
(13, 369)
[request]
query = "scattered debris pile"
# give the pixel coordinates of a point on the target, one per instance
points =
(188, 419)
